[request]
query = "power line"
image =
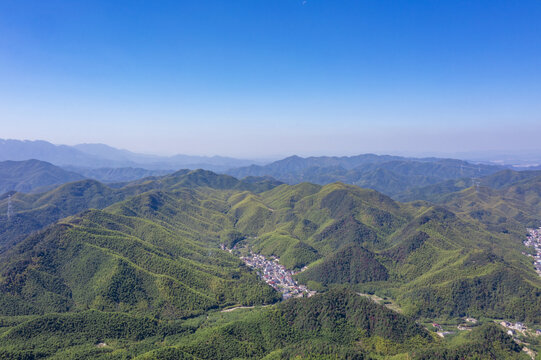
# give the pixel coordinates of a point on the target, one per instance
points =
(10, 208)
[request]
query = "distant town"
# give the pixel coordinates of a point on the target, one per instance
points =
(533, 240)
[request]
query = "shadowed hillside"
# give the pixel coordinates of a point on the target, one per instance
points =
(26, 176)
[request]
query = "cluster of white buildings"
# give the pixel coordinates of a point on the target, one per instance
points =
(513, 327)
(533, 240)
(518, 326)
(277, 276)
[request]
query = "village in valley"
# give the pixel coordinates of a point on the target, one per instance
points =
(533, 240)
(272, 272)
(277, 276)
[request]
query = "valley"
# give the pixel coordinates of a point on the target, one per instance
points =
(151, 255)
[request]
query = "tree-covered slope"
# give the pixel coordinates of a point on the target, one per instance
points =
(153, 257)
(418, 253)
(510, 208)
(107, 261)
(29, 175)
(431, 259)
(438, 192)
(352, 264)
(338, 323)
(32, 212)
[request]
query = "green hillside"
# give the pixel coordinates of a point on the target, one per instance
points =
(424, 256)
(32, 212)
(510, 208)
(351, 264)
(338, 324)
(151, 257)
(439, 191)
(31, 175)
(147, 254)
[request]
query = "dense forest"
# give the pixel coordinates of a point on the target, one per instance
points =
(144, 270)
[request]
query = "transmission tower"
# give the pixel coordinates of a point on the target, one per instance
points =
(10, 208)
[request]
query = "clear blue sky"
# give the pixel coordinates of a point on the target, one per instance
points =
(273, 77)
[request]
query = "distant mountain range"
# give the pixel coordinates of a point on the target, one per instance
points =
(115, 175)
(104, 156)
(39, 176)
(391, 175)
(399, 177)
(402, 178)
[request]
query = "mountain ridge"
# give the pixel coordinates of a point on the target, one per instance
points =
(151, 257)
(30, 175)
(388, 174)
(32, 212)
(105, 156)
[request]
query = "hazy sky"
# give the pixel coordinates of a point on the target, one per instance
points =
(273, 77)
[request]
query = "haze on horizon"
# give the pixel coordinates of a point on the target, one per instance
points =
(272, 78)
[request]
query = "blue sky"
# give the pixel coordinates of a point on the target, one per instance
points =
(273, 77)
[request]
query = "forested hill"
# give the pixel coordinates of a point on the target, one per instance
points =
(390, 175)
(344, 234)
(504, 201)
(29, 175)
(510, 207)
(31, 212)
(407, 250)
(141, 269)
(439, 192)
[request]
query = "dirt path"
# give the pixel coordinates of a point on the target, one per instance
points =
(390, 305)
(238, 307)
